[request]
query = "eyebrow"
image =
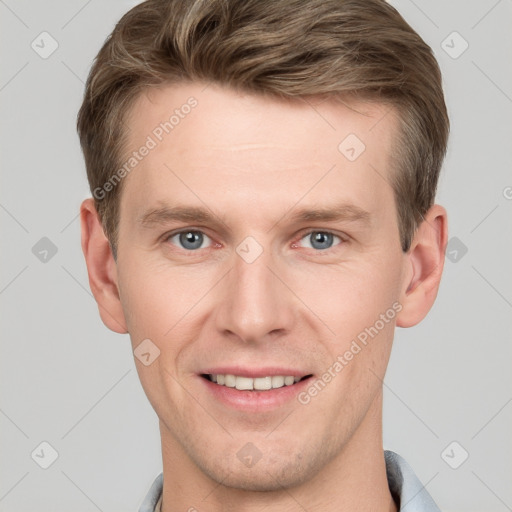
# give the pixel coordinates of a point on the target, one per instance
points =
(166, 214)
(341, 212)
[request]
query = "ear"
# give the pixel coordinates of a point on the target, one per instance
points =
(424, 267)
(102, 268)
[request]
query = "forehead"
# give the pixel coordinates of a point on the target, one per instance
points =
(207, 141)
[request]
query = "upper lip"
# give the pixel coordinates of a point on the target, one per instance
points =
(254, 372)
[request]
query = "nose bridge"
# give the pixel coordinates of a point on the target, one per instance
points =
(255, 302)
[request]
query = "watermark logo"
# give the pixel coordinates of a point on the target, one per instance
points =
(146, 352)
(44, 45)
(454, 45)
(351, 147)
(456, 249)
(454, 455)
(44, 250)
(44, 455)
(249, 455)
(249, 249)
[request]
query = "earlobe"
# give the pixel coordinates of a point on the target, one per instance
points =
(101, 268)
(425, 261)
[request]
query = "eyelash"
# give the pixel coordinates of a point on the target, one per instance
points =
(343, 239)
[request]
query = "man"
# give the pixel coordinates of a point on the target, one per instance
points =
(263, 177)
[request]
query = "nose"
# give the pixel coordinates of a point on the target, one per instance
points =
(255, 304)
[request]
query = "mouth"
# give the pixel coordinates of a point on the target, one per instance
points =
(243, 383)
(257, 391)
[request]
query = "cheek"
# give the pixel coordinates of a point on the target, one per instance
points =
(155, 297)
(159, 304)
(350, 298)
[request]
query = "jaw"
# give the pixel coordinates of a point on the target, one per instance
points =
(238, 466)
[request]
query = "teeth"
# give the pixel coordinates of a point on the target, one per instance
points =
(229, 381)
(263, 383)
(277, 381)
(244, 383)
(259, 383)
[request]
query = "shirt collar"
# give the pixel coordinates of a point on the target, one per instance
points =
(405, 487)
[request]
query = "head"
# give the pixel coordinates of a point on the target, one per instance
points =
(281, 216)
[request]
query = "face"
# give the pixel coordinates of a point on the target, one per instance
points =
(255, 251)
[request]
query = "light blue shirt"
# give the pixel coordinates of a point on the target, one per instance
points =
(404, 485)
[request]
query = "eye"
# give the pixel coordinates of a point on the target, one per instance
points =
(319, 240)
(190, 240)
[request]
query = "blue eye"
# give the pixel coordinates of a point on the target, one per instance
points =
(190, 240)
(320, 240)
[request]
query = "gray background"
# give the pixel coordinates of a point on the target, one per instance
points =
(67, 380)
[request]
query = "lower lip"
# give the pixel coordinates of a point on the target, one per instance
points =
(255, 401)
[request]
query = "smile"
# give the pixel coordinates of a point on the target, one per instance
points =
(254, 384)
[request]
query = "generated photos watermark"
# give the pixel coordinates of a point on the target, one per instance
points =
(156, 136)
(342, 360)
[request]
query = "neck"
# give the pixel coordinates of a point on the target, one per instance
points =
(355, 479)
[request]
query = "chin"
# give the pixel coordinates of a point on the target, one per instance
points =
(273, 473)
(260, 479)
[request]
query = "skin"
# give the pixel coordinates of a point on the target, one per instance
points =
(253, 163)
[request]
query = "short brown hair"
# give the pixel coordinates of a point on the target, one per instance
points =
(283, 48)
